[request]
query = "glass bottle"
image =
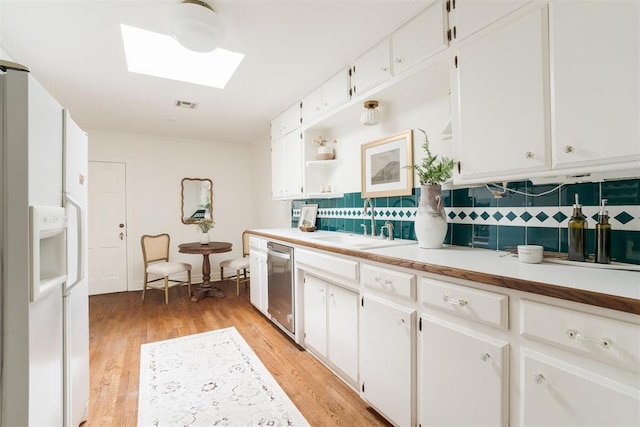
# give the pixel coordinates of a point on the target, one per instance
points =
(603, 236)
(577, 233)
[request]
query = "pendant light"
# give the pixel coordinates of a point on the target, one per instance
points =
(196, 26)
(370, 116)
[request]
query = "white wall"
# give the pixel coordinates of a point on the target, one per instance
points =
(154, 170)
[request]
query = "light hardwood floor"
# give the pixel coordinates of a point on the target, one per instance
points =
(120, 323)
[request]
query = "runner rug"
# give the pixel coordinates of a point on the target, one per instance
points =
(211, 379)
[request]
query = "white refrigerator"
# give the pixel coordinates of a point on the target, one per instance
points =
(44, 296)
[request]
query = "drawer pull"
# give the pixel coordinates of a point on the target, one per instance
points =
(383, 282)
(576, 335)
(540, 379)
(454, 301)
(400, 322)
(485, 357)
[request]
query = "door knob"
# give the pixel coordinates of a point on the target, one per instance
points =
(121, 225)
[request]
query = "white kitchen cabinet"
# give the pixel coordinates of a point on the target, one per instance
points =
(372, 68)
(387, 367)
(469, 16)
(288, 121)
(331, 324)
(421, 37)
(501, 99)
(464, 376)
(258, 269)
(331, 94)
(595, 69)
(556, 393)
(286, 167)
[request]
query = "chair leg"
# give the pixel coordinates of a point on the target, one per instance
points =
(244, 275)
(144, 285)
(237, 283)
(166, 290)
(189, 282)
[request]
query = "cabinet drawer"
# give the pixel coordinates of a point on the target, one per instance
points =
(389, 281)
(482, 306)
(334, 266)
(257, 243)
(605, 339)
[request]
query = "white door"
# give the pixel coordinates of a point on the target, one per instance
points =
(315, 314)
(107, 228)
(342, 337)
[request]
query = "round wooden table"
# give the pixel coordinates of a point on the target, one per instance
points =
(206, 287)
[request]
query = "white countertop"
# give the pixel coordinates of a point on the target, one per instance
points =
(498, 263)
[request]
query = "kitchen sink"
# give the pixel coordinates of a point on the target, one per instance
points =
(357, 241)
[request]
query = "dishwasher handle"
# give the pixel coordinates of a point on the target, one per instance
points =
(280, 255)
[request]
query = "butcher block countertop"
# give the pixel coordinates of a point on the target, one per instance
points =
(612, 289)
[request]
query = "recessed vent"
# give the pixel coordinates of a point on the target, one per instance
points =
(186, 104)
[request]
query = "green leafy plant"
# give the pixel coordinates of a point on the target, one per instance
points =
(432, 171)
(205, 225)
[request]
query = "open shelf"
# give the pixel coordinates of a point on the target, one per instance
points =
(326, 195)
(324, 163)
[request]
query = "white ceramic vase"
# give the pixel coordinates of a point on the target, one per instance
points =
(204, 238)
(325, 153)
(430, 221)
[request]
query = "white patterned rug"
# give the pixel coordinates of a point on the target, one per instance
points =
(213, 378)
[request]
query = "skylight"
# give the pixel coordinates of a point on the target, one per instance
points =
(160, 55)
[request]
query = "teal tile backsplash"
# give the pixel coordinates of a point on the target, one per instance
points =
(477, 218)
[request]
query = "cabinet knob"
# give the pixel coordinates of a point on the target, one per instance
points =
(485, 357)
(384, 69)
(529, 155)
(400, 322)
(539, 379)
(569, 149)
(399, 60)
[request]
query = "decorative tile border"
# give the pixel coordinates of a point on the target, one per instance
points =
(625, 218)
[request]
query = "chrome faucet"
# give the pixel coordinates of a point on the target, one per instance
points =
(389, 226)
(364, 229)
(369, 203)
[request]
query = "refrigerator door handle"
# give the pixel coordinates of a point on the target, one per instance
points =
(80, 234)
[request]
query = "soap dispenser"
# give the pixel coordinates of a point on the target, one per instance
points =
(577, 233)
(603, 236)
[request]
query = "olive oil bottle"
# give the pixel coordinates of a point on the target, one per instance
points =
(577, 233)
(603, 236)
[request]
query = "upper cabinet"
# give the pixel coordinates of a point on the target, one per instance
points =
(595, 84)
(286, 122)
(469, 16)
(372, 68)
(501, 119)
(421, 37)
(331, 94)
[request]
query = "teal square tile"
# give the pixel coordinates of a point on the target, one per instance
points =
(380, 202)
(510, 237)
(462, 234)
(483, 198)
(341, 202)
(448, 239)
(621, 193)
(587, 192)
(408, 202)
(547, 237)
(513, 199)
(564, 241)
(542, 195)
(462, 198)
(350, 225)
(394, 202)
(407, 230)
(485, 236)
(625, 246)
(447, 198)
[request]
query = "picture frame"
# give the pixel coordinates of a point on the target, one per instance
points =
(385, 171)
(309, 213)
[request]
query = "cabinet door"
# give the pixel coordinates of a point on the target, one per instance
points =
(561, 394)
(371, 68)
(312, 105)
(278, 178)
(421, 37)
(473, 15)
(503, 120)
(258, 288)
(342, 340)
(463, 376)
(315, 314)
(293, 165)
(335, 91)
(387, 361)
(595, 49)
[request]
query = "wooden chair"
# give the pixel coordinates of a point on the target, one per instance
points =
(239, 265)
(155, 252)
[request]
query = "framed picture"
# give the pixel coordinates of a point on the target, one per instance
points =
(384, 166)
(308, 214)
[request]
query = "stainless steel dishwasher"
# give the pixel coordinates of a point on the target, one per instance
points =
(280, 285)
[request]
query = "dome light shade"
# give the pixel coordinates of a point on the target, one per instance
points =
(196, 26)
(370, 116)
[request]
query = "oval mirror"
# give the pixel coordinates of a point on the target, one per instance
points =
(197, 200)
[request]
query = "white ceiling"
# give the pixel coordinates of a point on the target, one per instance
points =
(74, 48)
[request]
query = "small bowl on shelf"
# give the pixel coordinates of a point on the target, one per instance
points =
(530, 254)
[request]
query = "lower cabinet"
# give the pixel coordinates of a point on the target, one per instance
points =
(464, 376)
(258, 269)
(561, 394)
(331, 324)
(387, 368)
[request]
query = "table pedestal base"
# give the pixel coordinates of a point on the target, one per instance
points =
(207, 290)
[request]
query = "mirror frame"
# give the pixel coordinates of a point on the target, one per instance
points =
(182, 194)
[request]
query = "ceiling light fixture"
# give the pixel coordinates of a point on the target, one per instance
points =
(196, 26)
(370, 116)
